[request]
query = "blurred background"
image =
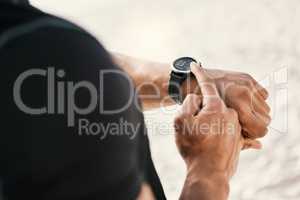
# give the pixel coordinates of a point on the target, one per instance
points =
(260, 37)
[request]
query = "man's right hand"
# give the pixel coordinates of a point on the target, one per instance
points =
(209, 140)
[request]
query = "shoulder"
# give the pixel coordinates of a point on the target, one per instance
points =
(41, 24)
(30, 23)
(51, 35)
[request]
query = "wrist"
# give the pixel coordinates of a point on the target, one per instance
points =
(206, 187)
(210, 174)
(204, 169)
(204, 182)
(191, 86)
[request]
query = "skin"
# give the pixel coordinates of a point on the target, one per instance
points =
(211, 154)
(239, 91)
(211, 158)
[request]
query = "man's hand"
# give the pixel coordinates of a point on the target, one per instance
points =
(238, 90)
(245, 95)
(209, 140)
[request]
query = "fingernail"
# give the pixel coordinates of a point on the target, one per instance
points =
(194, 66)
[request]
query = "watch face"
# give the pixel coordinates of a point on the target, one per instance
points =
(182, 65)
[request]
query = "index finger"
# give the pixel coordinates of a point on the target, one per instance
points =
(208, 87)
(191, 104)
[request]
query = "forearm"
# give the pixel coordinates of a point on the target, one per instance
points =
(151, 79)
(205, 189)
(205, 184)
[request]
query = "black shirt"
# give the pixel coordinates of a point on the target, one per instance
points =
(43, 156)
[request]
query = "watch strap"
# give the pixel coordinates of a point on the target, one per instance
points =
(175, 83)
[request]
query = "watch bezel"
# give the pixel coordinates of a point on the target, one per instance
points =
(174, 69)
(180, 71)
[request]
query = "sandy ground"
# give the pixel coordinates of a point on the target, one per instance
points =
(261, 37)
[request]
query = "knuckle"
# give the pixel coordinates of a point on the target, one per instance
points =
(178, 121)
(233, 113)
(240, 107)
(217, 102)
(247, 76)
(179, 118)
(181, 121)
(241, 90)
(216, 114)
(191, 96)
(243, 115)
(248, 80)
(223, 115)
(268, 109)
(179, 125)
(266, 92)
(266, 119)
(245, 93)
(249, 83)
(258, 132)
(262, 133)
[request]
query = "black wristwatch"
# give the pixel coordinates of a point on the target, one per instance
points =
(180, 72)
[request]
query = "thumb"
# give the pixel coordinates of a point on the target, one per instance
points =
(251, 144)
